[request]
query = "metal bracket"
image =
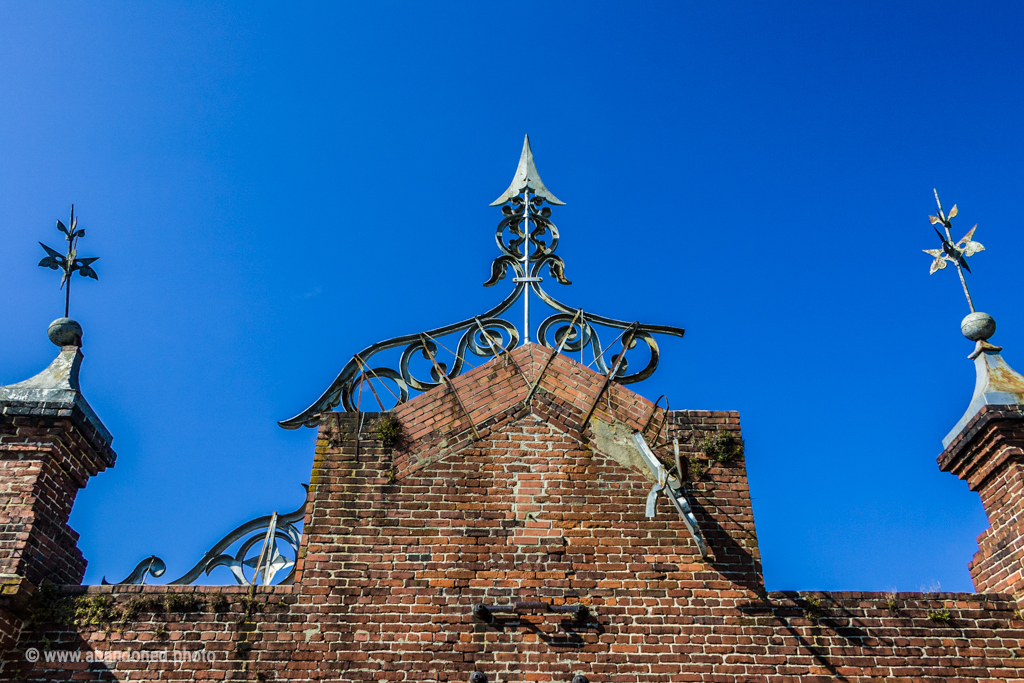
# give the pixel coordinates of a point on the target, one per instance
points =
(487, 612)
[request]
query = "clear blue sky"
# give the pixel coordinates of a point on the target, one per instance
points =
(272, 187)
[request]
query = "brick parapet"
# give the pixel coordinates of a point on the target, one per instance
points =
(711, 636)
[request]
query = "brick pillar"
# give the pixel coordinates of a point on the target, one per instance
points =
(51, 443)
(986, 449)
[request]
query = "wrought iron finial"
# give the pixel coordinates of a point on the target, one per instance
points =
(527, 240)
(952, 252)
(70, 263)
(527, 179)
(520, 208)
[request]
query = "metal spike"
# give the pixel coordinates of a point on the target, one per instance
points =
(527, 177)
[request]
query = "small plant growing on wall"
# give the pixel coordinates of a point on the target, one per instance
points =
(388, 429)
(890, 601)
(697, 468)
(941, 616)
(814, 609)
(721, 446)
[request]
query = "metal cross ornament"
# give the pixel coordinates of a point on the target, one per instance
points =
(70, 263)
(952, 252)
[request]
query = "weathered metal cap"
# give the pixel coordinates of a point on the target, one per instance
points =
(527, 178)
(65, 332)
(978, 326)
(996, 382)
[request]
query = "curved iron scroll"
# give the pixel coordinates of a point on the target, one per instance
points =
(256, 535)
(527, 239)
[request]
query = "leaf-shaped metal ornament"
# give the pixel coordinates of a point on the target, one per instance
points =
(952, 213)
(968, 246)
(972, 248)
(940, 260)
(49, 262)
(80, 233)
(62, 228)
(934, 219)
(87, 271)
(53, 252)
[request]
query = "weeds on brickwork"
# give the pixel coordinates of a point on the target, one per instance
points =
(814, 609)
(160, 632)
(941, 616)
(721, 446)
(250, 606)
(388, 429)
(890, 601)
(219, 603)
(182, 602)
(51, 606)
(392, 476)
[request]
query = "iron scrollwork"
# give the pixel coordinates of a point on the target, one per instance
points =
(258, 558)
(527, 240)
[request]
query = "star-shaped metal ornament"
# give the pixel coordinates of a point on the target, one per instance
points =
(952, 252)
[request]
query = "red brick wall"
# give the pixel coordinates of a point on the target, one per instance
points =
(401, 543)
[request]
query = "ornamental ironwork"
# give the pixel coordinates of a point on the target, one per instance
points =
(265, 550)
(393, 369)
(69, 263)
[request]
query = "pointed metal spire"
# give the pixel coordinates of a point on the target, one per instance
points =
(527, 178)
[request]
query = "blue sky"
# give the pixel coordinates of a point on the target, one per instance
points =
(271, 188)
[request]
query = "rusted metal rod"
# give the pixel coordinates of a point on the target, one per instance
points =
(627, 339)
(504, 349)
(448, 382)
(555, 352)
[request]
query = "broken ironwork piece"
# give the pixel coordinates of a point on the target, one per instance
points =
(672, 485)
(487, 612)
(528, 249)
(70, 262)
(268, 532)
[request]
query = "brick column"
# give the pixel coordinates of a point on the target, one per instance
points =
(51, 443)
(986, 449)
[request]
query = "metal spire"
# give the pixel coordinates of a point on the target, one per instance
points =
(70, 263)
(953, 252)
(527, 178)
(525, 181)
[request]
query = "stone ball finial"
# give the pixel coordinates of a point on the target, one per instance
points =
(978, 326)
(65, 332)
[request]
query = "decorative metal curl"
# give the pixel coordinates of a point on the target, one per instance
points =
(512, 252)
(262, 533)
